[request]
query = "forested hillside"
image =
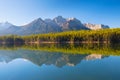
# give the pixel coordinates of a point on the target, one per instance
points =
(82, 36)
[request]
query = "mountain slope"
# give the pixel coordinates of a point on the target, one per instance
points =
(96, 26)
(59, 20)
(73, 24)
(9, 29)
(39, 26)
(4, 25)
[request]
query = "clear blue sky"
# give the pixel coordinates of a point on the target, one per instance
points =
(20, 12)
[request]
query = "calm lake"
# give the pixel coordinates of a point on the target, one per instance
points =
(60, 62)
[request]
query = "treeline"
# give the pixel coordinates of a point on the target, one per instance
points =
(11, 39)
(82, 36)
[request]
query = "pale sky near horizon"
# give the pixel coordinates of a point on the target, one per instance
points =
(20, 12)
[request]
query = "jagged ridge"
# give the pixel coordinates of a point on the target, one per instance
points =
(58, 24)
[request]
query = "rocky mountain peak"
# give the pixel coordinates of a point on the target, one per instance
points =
(38, 20)
(59, 20)
(58, 24)
(95, 26)
(59, 17)
(5, 25)
(69, 19)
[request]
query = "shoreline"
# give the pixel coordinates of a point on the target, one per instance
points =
(49, 42)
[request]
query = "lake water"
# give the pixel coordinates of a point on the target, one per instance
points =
(36, 62)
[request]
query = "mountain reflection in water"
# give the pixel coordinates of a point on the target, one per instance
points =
(59, 62)
(48, 58)
(45, 53)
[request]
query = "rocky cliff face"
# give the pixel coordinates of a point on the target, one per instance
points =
(59, 20)
(96, 26)
(38, 26)
(73, 24)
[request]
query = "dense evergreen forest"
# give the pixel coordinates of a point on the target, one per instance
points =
(81, 36)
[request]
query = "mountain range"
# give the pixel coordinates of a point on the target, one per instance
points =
(49, 58)
(39, 26)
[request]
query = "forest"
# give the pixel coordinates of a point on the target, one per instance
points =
(80, 36)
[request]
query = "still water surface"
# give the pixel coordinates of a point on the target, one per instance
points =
(28, 64)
